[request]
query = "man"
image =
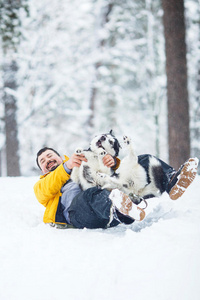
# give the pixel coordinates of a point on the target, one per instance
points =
(66, 204)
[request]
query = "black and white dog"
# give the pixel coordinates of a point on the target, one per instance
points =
(87, 174)
(139, 180)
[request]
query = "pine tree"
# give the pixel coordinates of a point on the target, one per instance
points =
(10, 37)
(98, 74)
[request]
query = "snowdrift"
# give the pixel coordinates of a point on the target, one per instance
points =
(154, 259)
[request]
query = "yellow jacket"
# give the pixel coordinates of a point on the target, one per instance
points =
(47, 191)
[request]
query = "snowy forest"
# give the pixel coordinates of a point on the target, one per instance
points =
(72, 69)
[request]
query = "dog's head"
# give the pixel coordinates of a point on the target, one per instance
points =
(108, 142)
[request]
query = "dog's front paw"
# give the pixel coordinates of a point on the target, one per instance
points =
(127, 140)
(79, 151)
(101, 152)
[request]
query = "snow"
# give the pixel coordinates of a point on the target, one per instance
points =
(157, 258)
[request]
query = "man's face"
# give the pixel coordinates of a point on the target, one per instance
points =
(49, 161)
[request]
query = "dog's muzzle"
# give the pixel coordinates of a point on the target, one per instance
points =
(99, 142)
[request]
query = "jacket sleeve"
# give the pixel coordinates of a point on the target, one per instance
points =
(117, 163)
(48, 186)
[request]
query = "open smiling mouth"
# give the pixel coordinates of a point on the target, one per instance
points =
(51, 164)
(99, 145)
(99, 142)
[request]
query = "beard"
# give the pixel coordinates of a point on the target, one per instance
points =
(53, 167)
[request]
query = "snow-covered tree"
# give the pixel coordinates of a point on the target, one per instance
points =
(104, 70)
(10, 37)
(89, 66)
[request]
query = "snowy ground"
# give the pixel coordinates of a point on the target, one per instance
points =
(156, 259)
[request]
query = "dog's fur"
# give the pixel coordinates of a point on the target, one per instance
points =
(133, 178)
(86, 174)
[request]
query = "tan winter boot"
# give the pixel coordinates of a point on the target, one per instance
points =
(125, 206)
(184, 177)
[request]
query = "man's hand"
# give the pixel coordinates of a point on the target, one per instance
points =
(108, 161)
(75, 161)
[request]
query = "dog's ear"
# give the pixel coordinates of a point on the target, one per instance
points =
(111, 132)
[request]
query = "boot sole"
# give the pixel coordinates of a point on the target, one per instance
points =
(185, 178)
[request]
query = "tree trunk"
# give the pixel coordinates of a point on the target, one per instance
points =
(196, 113)
(11, 130)
(104, 18)
(176, 68)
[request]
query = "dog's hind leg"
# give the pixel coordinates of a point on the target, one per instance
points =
(107, 182)
(131, 153)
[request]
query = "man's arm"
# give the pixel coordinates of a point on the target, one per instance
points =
(48, 186)
(75, 161)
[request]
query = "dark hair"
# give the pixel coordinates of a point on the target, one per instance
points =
(43, 150)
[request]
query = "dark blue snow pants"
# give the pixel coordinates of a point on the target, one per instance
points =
(91, 209)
